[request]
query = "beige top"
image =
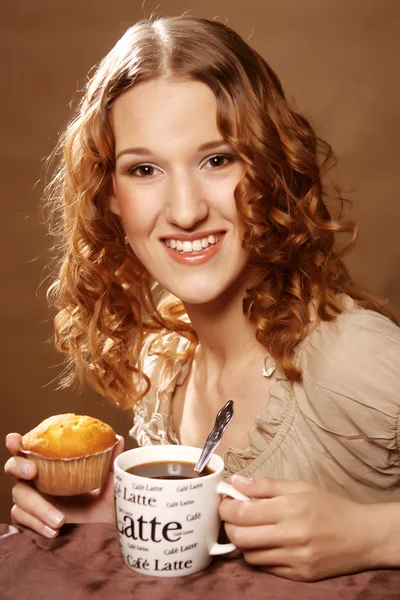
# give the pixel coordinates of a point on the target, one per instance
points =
(339, 428)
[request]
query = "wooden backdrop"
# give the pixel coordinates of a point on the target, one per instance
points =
(337, 58)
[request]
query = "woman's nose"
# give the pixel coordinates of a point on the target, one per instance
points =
(186, 203)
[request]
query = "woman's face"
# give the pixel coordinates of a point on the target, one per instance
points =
(174, 184)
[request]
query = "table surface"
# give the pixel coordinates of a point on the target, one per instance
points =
(85, 562)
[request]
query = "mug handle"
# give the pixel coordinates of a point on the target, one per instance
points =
(228, 490)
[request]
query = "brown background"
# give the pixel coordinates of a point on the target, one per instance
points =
(337, 58)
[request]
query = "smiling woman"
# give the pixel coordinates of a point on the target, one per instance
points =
(199, 262)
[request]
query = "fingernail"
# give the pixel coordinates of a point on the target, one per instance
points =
(54, 517)
(25, 469)
(241, 479)
(50, 532)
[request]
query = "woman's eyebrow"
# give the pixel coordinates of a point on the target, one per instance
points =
(215, 144)
(140, 150)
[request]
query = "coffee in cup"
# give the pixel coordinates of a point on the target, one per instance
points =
(168, 470)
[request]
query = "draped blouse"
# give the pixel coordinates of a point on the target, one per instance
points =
(338, 428)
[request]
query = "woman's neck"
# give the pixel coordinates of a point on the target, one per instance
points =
(224, 332)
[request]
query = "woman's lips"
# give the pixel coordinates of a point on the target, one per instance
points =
(195, 257)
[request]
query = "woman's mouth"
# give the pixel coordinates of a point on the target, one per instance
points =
(198, 245)
(195, 251)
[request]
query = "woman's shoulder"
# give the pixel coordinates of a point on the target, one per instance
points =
(351, 370)
(356, 340)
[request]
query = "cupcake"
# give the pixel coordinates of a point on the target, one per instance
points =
(72, 453)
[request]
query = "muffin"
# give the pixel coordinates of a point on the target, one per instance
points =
(72, 453)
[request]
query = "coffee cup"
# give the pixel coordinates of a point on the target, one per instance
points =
(167, 515)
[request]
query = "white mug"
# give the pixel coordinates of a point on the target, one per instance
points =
(169, 527)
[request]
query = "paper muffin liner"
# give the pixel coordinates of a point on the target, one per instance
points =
(70, 476)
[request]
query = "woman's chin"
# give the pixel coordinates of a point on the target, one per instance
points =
(196, 296)
(198, 299)
(207, 289)
(205, 297)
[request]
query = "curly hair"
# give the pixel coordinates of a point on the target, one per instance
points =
(106, 301)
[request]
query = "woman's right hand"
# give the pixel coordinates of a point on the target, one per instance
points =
(46, 514)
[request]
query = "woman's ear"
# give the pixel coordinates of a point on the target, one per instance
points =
(112, 199)
(113, 204)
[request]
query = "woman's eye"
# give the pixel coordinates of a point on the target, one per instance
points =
(144, 171)
(218, 161)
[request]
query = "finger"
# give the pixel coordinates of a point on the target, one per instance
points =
(13, 442)
(285, 572)
(271, 561)
(34, 504)
(264, 511)
(286, 535)
(20, 517)
(264, 487)
(270, 557)
(21, 468)
(254, 538)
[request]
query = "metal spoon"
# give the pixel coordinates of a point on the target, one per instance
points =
(223, 418)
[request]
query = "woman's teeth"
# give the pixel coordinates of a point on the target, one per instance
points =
(195, 246)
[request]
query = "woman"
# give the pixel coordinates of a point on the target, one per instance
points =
(199, 264)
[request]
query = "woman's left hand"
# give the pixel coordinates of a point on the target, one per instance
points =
(297, 530)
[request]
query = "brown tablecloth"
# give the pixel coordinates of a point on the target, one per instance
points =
(85, 562)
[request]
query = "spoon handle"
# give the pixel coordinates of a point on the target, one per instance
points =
(223, 418)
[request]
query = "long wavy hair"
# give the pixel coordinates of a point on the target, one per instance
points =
(106, 301)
